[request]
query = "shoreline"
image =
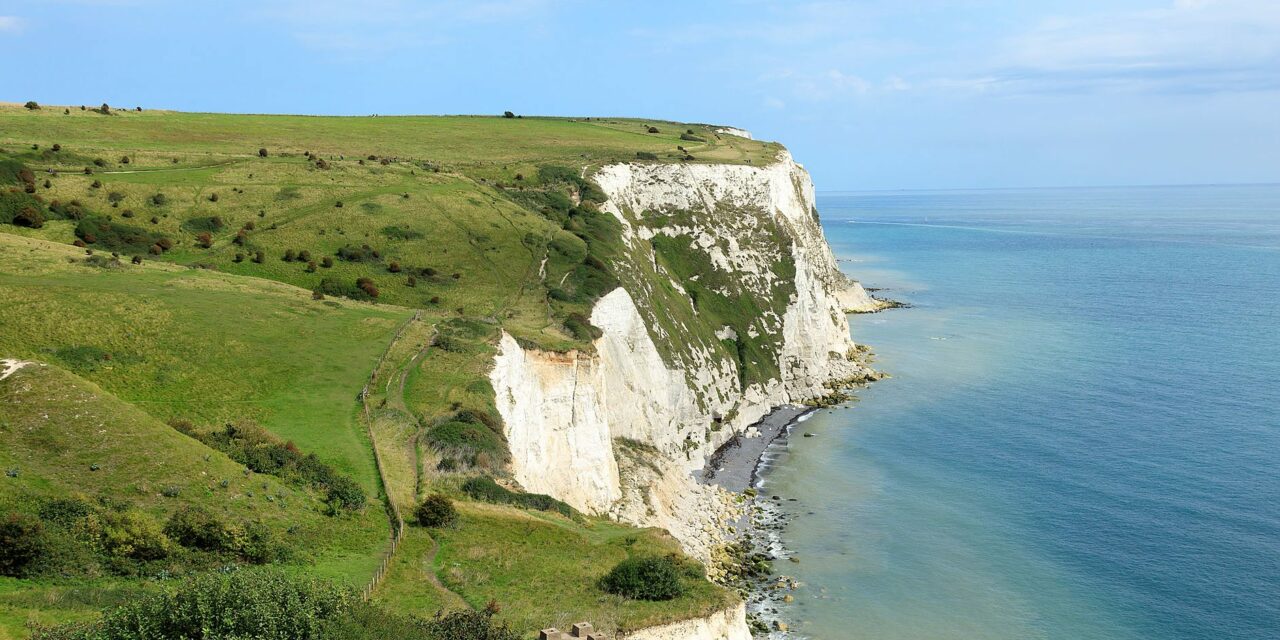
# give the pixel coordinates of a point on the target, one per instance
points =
(735, 466)
(739, 466)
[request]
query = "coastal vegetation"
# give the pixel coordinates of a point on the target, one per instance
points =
(264, 338)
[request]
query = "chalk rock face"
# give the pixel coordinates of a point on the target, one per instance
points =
(731, 304)
(730, 624)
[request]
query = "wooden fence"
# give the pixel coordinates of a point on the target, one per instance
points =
(393, 512)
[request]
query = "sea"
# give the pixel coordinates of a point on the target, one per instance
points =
(1081, 435)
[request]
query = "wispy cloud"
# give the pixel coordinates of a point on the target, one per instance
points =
(1197, 46)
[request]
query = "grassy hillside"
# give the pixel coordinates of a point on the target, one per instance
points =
(93, 467)
(263, 289)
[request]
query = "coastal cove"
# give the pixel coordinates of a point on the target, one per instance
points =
(1074, 443)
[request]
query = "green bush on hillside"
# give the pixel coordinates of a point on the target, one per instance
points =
(484, 488)
(268, 604)
(22, 542)
(255, 448)
(119, 237)
(436, 511)
(645, 578)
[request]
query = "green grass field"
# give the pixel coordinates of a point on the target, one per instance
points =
(466, 224)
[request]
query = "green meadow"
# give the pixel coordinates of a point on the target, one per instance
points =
(212, 270)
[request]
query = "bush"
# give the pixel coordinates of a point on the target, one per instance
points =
(645, 155)
(484, 488)
(22, 542)
(691, 138)
(368, 287)
(653, 130)
(134, 534)
(259, 257)
(508, 114)
(159, 200)
(344, 493)
(204, 223)
(32, 105)
(644, 578)
(262, 153)
(64, 512)
(393, 267)
(437, 511)
(204, 239)
(119, 237)
(262, 604)
(198, 528)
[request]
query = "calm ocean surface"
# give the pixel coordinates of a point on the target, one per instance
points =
(1081, 438)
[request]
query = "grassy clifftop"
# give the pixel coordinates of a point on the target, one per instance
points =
(214, 284)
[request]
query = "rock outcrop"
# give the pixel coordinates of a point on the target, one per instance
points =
(619, 430)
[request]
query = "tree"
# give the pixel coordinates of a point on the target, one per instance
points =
(437, 511)
(32, 105)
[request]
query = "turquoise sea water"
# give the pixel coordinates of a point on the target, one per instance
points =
(1081, 438)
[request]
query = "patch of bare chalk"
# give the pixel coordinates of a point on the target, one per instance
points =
(11, 366)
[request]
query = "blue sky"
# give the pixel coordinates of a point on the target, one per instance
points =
(869, 95)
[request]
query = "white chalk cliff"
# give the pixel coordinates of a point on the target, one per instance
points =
(619, 431)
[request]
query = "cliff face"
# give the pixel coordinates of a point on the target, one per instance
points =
(731, 304)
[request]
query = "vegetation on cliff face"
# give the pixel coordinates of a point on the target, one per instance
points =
(206, 270)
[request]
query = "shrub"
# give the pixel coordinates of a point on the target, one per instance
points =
(29, 217)
(691, 138)
(263, 604)
(259, 256)
(127, 213)
(262, 153)
(204, 239)
(344, 493)
(204, 223)
(326, 262)
(159, 200)
(400, 233)
(56, 147)
(64, 512)
(363, 253)
(367, 285)
(22, 542)
(644, 578)
(239, 257)
(508, 114)
(32, 105)
(436, 511)
(124, 160)
(311, 266)
(104, 109)
(198, 528)
(653, 130)
(134, 534)
(393, 267)
(645, 155)
(116, 236)
(213, 197)
(484, 488)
